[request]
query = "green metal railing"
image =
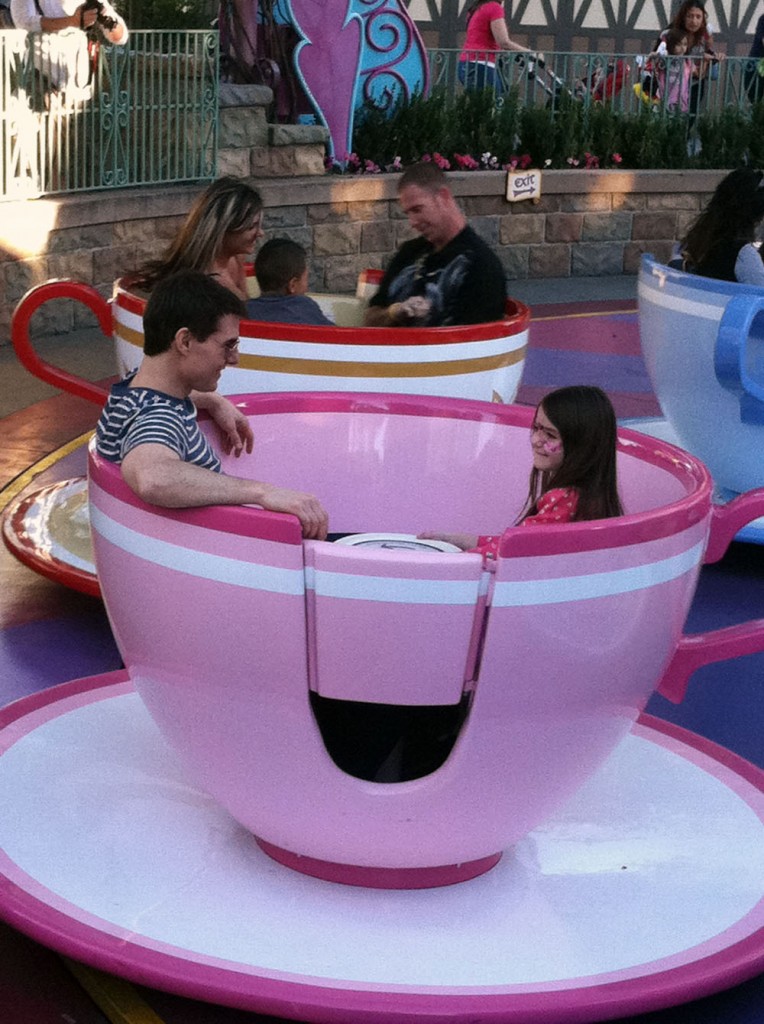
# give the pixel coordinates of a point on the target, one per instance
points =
(142, 114)
(597, 77)
(148, 112)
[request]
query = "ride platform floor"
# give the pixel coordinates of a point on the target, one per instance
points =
(49, 634)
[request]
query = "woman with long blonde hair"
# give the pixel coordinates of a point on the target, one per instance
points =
(217, 238)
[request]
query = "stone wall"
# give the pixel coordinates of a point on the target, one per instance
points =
(250, 146)
(586, 223)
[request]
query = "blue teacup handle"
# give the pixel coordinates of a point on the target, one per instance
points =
(742, 324)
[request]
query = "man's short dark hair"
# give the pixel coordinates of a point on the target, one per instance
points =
(187, 299)
(424, 175)
(278, 261)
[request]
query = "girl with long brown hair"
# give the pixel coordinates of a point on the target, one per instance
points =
(573, 441)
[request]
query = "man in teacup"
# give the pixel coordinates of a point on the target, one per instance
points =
(446, 276)
(191, 333)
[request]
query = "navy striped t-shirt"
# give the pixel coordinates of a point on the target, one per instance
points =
(135, 416)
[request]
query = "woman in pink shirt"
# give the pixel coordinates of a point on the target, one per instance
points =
(573, 440)
(487, 36)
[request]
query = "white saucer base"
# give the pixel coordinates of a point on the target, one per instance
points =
(645, 891)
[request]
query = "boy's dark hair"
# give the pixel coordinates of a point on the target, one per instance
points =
(278, 262)
(187, 299)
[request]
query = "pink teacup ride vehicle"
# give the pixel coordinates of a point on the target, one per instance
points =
(48, 530)
(703, 345)
(300, 713)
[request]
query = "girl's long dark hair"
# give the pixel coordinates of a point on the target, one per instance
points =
(732, 214)
(585, 419)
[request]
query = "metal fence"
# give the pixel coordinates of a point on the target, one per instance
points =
(624, 80)
(147, 113)
(141, 114)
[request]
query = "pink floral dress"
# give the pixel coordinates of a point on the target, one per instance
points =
(557, 505)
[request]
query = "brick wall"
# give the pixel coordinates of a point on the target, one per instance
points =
(586, 223)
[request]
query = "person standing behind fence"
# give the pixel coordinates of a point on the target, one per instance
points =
(60, 50)
(672, 77)
(487, 36)
(691, 20)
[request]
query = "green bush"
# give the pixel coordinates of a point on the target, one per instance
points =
(418, 125)
(537, 134)
(474, 124)
(572, 134)
(648, 141)
(756, 142)
(725, 139)
(603, 130)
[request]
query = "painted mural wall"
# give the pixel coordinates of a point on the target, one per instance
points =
(583, 25)
(350, 53)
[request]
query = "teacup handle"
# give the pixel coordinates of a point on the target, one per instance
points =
(741, 323)
(727, 520)
(700, 649)
(28, 305)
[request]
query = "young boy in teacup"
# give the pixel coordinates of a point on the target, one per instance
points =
(281, 269)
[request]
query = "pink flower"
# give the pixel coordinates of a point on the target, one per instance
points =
(370, 167)
(525, 161)
(592, 161)
(572, 161)
(441, 162)
(617, 158)
(426, 158)
(465, 161)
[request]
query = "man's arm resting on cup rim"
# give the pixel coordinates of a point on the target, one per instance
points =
(234, 427)
(160, 477)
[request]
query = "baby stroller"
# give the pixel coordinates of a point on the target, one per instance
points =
(604, 80)
(537, 73)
